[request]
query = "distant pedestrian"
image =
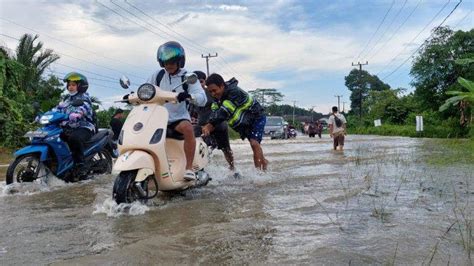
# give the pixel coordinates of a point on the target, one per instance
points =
(319, 128)
(337, 128)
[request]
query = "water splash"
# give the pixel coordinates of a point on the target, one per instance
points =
(110, 208)
(44, 184)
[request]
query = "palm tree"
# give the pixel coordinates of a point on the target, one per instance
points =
(34, 59)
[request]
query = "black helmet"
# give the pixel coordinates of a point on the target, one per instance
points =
(170, 52)
(200, 74)
(81, 80)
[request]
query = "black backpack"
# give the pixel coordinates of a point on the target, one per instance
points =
(160, 75)
(338, 121)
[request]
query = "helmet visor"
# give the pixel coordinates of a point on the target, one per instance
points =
(73, 77)
(169, 53)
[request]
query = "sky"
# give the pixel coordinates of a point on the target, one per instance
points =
(304, 49)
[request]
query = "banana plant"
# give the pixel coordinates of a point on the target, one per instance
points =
(458, 96)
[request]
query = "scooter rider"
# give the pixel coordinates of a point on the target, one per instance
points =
(78, 106)
(221, 132)
(171, 58)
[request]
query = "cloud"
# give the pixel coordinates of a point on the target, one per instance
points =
(233, 8)
(288, 45)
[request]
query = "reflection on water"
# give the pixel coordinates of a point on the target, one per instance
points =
(378, 202)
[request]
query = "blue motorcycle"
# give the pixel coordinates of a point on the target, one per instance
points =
(48, 153)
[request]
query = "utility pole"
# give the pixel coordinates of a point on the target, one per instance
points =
(312, 113)
(360, 85)
(294, 105)
(343, 109)
(338, 102)
(207, 61)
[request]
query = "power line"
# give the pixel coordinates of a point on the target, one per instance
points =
(399, 27)
(6, 35)
(92, 85)
(224, 65)
(195, 44)
(384, 17)
(461, 20)
(91, 78)
(425, 42)
(386, 29)
(70, 44)
(92, 63)
(412, 40)
(89, 62)
(142, 26)
(163, 24)
(85, 71)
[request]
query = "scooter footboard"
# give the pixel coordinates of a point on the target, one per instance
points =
(132, 160)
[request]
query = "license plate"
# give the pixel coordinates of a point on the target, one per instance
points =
(36, 134)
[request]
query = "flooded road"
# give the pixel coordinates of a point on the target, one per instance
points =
(379, 202)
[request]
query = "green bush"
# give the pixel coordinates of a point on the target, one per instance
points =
(446, 129)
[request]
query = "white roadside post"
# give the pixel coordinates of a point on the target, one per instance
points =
(377, 123)
(419, 123)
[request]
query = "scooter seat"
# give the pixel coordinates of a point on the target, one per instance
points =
(96, 137)
(173, 134)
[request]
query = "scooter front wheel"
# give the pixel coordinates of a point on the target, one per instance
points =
(25, 168)
(123, 191)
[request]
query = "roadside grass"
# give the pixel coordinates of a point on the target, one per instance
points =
(6, 156)
(430, 131)
(450, 152)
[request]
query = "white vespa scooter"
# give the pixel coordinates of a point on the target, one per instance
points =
(152, 157)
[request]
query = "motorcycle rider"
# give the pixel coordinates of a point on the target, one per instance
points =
(77, 104)
(171, 58)
(245, 114)
(221, 132)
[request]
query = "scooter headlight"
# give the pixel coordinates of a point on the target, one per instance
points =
(45, 119)
(146, 92)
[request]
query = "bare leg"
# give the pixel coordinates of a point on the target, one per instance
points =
(229, 157)
(258, 159)
(186, 128)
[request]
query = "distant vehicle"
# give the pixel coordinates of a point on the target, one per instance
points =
(276, 127)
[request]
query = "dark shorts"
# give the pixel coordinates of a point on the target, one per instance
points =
(219, 137)
(257, 129)
(338, 139)
(174, 124)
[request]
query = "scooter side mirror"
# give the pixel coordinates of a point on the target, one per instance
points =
(125, 82)
(191, 78)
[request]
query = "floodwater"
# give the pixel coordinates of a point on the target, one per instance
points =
(379, 202)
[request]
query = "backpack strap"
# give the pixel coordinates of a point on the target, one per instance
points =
(159, 77)
(185, 85)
